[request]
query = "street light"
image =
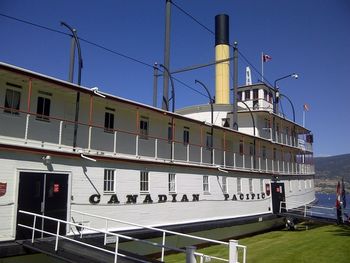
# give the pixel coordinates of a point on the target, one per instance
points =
(277, 92)
(211, 101)
(75, 40)
(172, 90)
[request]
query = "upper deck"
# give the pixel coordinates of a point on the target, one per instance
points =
(39, 114)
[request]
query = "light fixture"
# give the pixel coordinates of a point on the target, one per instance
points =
(47, 159)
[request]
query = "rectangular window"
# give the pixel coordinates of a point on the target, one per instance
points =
(267, 124)
(262, 186)
(265, 95)
(109, 121)
(251, 185)
(247, 94)
(172, 183)
(12, 101)
(108, 181)
(43, 108)
(144, 182)
(255, 94)
(239, 185)
(205, 183)
(144, 123)
(239, 96)
(241, 148)
(186, 136)
(224, 184)
(270, 97)
(209, 142)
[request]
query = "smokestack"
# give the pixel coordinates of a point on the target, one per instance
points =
(222, 51)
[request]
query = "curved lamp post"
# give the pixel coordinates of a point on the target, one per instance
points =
(277, 92)
(172, 90)
(76, 39)
(282, 95)
(211, 101)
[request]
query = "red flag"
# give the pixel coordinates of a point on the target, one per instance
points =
(266, 58)
(306, 107)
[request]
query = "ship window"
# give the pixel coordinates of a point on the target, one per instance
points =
(241, 148)
(186, 135)
(108, 182)
(239, 96)
(172, 183)
(270, 97)
(109, 121)
(144, 128)
(251, 185)
(224, 184)
(255, 94)
(239, 185)
(247, 94)
(209, 142)
(43, 109)
(12, 101)
(206, 184)
(144, 182)
(265, 95)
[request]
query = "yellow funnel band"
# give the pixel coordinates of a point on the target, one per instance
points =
(222, 75)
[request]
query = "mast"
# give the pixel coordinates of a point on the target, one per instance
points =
(165, 100)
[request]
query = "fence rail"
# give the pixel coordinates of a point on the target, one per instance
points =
(190, 253)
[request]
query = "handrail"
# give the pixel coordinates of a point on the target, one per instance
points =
(117, 236)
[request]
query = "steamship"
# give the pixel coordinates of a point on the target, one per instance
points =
(201, 167)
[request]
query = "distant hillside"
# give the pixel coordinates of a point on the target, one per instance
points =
(329, 170)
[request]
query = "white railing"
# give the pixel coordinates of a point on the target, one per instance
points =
(232, 244)
(307, 210)
(190, 253)
(121, 143)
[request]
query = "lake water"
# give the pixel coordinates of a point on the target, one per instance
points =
(328, 200)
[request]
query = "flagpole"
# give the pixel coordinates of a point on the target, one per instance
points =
(262, 66)
(303, 117)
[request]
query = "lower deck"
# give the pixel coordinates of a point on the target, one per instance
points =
(142, 193)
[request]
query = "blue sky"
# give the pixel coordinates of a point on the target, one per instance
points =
(310, 37)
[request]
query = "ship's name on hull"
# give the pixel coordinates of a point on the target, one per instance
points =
(147, 199)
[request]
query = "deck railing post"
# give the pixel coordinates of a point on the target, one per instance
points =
(60, 134)
(89, 138)
(234, 160)
(156, 148)
(137, 146)
(163, 248)
(233, 251)
(173, 151)
(116, 249)
(115, 143)
(243, 162)
(27, 128)
(225, 159)
(188, 152)
(190, 256)
(105, 238)
(34, 224)
(57, 234)
(201, 160)
(213, 161)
